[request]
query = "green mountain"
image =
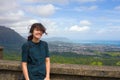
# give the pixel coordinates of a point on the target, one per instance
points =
(10, 39)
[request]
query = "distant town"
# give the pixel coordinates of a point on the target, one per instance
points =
(84, 49)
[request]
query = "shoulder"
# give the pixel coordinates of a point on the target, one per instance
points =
(44, 42)
(26, 44)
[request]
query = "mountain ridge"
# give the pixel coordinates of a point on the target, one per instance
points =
(10, 39)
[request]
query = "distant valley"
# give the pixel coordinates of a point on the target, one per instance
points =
(12, 41)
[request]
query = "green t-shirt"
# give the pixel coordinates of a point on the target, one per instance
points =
(35, 54)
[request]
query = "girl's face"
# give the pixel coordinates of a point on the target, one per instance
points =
(37, 33)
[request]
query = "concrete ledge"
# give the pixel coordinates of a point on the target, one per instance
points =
(84, 70)
(67, 71)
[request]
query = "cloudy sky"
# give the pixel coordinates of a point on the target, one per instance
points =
(73, 19)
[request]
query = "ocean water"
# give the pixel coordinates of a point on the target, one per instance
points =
(98, 42)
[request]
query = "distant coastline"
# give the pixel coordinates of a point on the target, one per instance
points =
(98, 42)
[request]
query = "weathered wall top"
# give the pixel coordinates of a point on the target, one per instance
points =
(69, 69)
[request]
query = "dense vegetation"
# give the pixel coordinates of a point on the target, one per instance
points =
(73, 58)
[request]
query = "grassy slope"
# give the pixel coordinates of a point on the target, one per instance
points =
(76, 59)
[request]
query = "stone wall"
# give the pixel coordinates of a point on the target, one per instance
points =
(11, 70)
(1, 52)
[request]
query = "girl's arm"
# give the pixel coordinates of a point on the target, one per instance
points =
(47, 68)
(25, 70)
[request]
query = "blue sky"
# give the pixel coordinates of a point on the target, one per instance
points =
(73, 19)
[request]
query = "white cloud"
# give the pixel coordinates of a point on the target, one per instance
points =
(117, 8)
(23, 27)
(85, 22)
(51, 26)
(42, 10)
(10, 12)
(47, 1)
(11, 17)
(24, 23)
(83, 26)
(15, 14)
(77, 28)
(8, 5)
(85, 8)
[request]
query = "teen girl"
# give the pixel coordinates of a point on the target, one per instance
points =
(35, 55)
